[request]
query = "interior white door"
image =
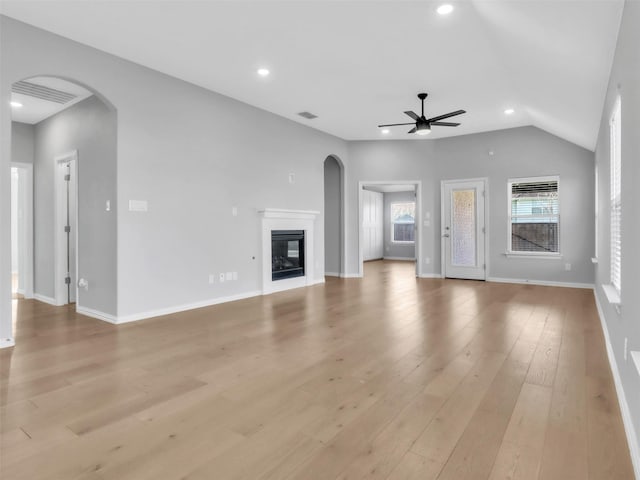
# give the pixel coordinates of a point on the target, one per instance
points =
(463, 229)
(372, 228)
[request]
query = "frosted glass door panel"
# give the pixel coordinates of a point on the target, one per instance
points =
(463, 228)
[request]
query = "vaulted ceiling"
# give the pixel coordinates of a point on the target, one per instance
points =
(356, 64)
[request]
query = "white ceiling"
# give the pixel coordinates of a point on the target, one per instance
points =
(34, 110)
(357, 64)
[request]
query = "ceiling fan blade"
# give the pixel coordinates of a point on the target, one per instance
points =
(396, 124)
(413, 130)
(446, 115)
(445, 124)
(412, 115)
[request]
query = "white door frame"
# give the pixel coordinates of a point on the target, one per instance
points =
(60, 251)
(25, 260)
(418, 230)
(443, 259)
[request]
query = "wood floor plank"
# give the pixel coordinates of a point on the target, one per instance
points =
(384, 377)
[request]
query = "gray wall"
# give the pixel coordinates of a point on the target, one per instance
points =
(332, 216)
(90, 128)
(193, 155)
(397, 250)
(22, 142)
(518, 152)
(625, 81)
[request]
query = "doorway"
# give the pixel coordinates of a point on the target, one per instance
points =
(21, 230)
(389, 214)
(66, 238)
(463, 247)
(333, 217)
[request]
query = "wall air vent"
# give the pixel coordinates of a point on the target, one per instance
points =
(42, 92)
(308, 115)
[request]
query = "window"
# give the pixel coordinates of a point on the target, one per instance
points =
(616, 197)
(403, 221)
(534, 216)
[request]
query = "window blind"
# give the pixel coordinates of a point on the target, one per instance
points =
(616, 197)
(534, 216)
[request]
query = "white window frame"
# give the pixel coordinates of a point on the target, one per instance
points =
(517, 253)
(615, 201)
(400, 242)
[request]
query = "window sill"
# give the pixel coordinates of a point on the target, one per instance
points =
(394, 242)
(594, 260)
(539, 256)
(612, 294)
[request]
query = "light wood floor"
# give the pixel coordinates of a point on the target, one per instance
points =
(388, 377)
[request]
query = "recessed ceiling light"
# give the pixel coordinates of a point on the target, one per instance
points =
(16, 104)
(263, 72)
(445, 9)
(385, 131)
(509, 111)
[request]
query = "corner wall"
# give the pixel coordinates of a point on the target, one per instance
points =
(624, 81)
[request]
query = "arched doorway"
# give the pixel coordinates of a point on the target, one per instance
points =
(334, 260)
(66, 132)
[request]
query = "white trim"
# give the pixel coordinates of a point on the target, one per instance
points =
(613, 297)
(331, 274)
(418, 231)
(26, 250)
(430, 275)
(351, 275)
(187, 306)
(59, 235)
(537, 256)
(288, 214)
(635, 356)
(627, 421)
(404, 259)
(7, 342)
(89, 312)
(544, 283)
(45, 299)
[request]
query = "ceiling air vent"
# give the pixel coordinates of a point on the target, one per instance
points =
(308, 115)
(42, 92)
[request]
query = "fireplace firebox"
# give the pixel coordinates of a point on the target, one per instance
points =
(287, 254)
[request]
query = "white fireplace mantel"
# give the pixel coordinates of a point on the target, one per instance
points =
(283, 219)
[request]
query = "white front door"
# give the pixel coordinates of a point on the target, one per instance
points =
(463, 229)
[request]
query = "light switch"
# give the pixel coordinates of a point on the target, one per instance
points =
(234, 211)
(138, 206)
(107, 206)
(292, 178)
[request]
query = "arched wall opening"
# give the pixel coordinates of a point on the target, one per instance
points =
(334, 256)
(66, 133)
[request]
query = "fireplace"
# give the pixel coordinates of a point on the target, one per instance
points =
(287, 254)
(287, 261)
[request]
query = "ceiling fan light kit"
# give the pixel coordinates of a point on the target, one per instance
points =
(422, 125)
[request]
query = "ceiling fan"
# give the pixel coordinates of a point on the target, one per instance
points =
(422, 124)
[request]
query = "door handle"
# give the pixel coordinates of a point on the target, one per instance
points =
(446, 235)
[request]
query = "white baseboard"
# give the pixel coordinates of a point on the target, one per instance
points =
(20, 291)
(632, 437)
(89, 312)
(317, 281)
(430, 275)
(181, 308)
(331, 274)
(45, 299)
(351, 275)
(7, 342)
(403, 259)
(544, 283)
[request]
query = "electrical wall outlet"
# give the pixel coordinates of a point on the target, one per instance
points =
(567, 267)
(427, 260)
(234, 211)
(234, 275)
(222, 278)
